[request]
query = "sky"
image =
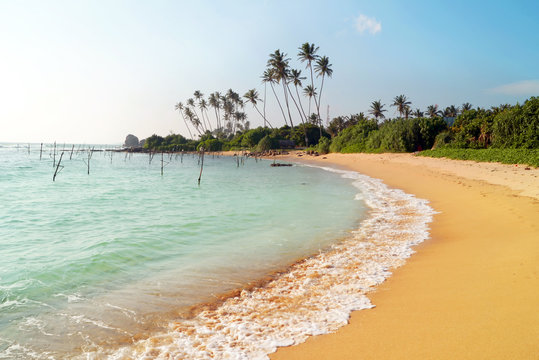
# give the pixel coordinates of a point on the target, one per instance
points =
(93, 71)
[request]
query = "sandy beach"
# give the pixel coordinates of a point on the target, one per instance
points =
(472, 290)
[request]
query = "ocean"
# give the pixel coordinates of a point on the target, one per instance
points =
(137, 260)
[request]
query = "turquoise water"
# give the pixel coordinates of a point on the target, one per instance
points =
(98, 260)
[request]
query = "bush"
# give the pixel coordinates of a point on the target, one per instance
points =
(267, 143)
(517, 127)
(323, 145)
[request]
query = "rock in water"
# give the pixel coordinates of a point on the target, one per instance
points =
(131, 141)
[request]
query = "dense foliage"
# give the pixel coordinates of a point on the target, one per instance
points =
(506, 156)
(452, 133)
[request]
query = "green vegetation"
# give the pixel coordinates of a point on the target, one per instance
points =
(505, 133)
(506, 156)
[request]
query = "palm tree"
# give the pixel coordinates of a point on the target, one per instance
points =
(401, 102)
(418, 113)
(193, 118)
(267, 77)
(322, 68)
(296, 78)
(279, 63)
(179, 106)
(215, 102)
(432, 111)
(252, 97)
(451, 111)
(307, 53)
(203, 105)
(191, 104)
(466, 106)
(310, 92)
(407, 112)
(377, 109)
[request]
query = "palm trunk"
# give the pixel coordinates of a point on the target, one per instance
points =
(278, 102)
(300, 114)
(287, 105)
(312, 85)
(264, 107)
(185, 121)
(265, 120)
(319, 101)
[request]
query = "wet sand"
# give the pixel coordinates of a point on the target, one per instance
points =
(472, 290)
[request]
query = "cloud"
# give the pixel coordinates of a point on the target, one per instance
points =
(526, 87)
(365, 23)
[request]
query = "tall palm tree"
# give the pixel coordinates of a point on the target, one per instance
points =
(377, 109)
(322, 68)
(279, 63)
(296, 78)
(203, 106)
(267, 77)
(311, 93)
(432, 111)
(215, 102)
(418, 113)
(401, 102)
(179, 106)
(466, 106)
(307, 53)
(252, 97)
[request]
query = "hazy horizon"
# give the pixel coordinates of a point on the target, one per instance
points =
(95, 71)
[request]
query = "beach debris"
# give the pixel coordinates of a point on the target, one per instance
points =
(280, 164)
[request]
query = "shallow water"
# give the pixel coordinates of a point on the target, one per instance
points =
(91, 263)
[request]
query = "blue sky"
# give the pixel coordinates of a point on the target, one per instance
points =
(94, 71)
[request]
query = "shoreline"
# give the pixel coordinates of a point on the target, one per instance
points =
(471, 290)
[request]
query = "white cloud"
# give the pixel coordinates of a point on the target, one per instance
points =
(365, 23)
(526, 87)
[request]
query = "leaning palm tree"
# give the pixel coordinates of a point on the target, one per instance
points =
(401, 102)
(179, 106)
(418, 113)
(322, 68)
(377, 109)
(278, 62)
(193, 118)
(307, 53)
(267, 77)
(191, 103)
(432, 111)
(252, 97)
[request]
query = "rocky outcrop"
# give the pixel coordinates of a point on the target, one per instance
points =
(131, 141)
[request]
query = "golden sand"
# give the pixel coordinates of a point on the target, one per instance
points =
(472, 290)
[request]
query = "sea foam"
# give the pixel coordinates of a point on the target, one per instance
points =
(315, 296)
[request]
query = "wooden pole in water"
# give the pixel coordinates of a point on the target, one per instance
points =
(162, 155)
(201, 166)
(72, 148)
(54, 155)
(40, 151)
(58, 166)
